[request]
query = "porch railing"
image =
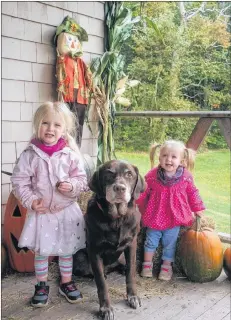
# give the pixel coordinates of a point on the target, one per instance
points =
(202, 127)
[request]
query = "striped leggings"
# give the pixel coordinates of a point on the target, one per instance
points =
(41, 266)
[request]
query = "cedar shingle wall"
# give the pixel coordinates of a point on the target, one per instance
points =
(28, 68)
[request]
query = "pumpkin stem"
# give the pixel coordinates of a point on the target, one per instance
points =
(198, 223)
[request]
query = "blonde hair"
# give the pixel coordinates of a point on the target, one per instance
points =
(188, 155)
(68, 117)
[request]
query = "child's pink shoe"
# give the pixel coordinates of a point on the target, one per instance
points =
(146, 270)
(165, 272)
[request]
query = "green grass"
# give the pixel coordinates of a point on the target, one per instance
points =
(212, 178)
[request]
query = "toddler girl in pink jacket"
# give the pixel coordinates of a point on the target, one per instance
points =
(47, 179)
(168, 203)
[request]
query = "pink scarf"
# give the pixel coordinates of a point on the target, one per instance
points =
(50, 149)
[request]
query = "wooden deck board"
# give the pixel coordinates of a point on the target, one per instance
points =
(219, 310)
(184, 301)
(197, 304)
(228, 317)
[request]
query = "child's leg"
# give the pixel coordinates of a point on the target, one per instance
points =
(169, 240)
(40, 298)
(67, 287)
(65, 266)
(41, 268)
(150, 245)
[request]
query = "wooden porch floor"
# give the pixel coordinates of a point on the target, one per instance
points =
(177, 300)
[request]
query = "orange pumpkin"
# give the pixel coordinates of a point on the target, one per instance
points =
(21, 259)
(201, 254)
(227, 262)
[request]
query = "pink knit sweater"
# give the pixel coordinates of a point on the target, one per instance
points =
(164, 207)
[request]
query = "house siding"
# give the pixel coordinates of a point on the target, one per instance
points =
(28, 69)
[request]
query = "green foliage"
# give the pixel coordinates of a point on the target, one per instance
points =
(180, 129)
(107, 71)
(214, 139)
(132, 139)
(182, 60)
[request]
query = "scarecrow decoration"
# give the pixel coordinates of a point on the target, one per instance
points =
(73, 75)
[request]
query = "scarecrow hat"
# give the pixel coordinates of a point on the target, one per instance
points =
(69, 25)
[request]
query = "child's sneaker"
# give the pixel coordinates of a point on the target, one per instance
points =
(40, 298)
(146, 270)
(165, 273)
(70, 292)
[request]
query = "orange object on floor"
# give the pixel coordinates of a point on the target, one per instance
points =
(20, 259)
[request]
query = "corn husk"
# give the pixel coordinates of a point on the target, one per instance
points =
(121, 83)
(133, 83)
(123, 101)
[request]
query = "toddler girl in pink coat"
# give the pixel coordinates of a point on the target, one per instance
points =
(47, 179)
(168, 203)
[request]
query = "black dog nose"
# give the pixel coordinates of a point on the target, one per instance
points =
(119, 188)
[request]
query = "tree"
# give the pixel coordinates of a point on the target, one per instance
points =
(181, 57)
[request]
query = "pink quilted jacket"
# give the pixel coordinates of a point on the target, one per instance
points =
(35, 176)
(164, 207)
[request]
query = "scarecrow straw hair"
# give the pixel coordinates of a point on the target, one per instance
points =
(100, 110)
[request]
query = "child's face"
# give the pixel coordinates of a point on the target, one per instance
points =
(170, 159)
(52, 128)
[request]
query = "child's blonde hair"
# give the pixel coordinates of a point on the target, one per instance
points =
(188, 155)
(67, 116)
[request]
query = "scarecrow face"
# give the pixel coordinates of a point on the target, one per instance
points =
(68, 43)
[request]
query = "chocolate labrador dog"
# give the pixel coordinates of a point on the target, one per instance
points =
(112, 223)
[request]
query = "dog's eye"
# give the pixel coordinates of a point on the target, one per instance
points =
(110, 175)
(128, 174)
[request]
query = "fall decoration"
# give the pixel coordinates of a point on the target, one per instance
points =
(109, 80)
(70, 26)
(74, 80)
(201, 253)
(206, 222)
(227, 262)
(21, 259)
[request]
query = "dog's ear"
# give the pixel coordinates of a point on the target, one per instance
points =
(94, 183)
(140, 185)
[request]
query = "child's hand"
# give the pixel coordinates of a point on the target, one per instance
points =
(64, 187)
(37, 205)
(199, 213)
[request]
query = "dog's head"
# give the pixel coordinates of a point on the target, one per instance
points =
(117, 181)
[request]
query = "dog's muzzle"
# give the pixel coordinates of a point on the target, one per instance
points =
(117, 193)
(119, 188)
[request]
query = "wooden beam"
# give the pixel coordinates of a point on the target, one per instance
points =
(199, 133)
(175, 114)
(225, 127)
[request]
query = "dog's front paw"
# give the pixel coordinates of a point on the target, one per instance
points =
(106, 313)
(134, 302)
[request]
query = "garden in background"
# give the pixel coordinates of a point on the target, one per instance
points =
(179, 53)
(212, 177)
(166, 56)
